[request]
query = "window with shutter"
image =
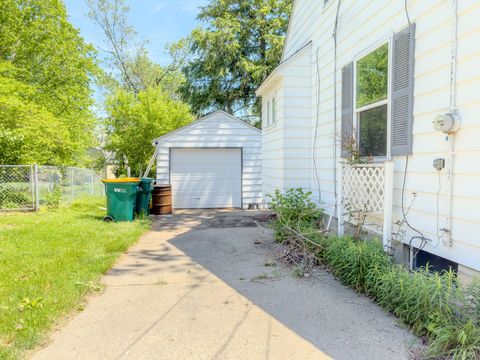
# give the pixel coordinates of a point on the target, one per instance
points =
(347, 111)
(371, 102)
(402, 91)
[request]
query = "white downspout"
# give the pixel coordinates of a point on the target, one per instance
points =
(448, 239)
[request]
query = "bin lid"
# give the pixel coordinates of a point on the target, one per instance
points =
(122, 180)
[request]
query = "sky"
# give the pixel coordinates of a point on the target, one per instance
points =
(160, 22)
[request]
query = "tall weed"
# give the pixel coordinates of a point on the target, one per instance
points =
(433, 304)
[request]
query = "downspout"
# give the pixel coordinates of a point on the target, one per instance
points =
(453, 109)
(334, 34)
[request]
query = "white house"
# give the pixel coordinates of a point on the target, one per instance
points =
(214, 162)
(370, 99)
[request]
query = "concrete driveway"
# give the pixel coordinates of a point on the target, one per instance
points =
(196, 287)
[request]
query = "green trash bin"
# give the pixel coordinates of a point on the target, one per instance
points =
(144, 193)
(121, 198)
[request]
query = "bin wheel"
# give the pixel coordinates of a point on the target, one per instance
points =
(108, 219)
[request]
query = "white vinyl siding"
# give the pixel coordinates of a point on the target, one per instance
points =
(218, 130)
(361, 25)
(286, 145)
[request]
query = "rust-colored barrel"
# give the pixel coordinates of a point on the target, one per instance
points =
(162, 200)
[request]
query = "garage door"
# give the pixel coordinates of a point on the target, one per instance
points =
(206, 178)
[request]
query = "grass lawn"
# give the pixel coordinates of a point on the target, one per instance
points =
(49, 261)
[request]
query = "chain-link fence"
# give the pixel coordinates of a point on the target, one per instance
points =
(17, 190)
(27, 187)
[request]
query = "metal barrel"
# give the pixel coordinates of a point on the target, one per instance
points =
(162, 200)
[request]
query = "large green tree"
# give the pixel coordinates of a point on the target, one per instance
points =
(48, 68)
(134, 121)
(142, 101)
(29, 132)
(238, 44)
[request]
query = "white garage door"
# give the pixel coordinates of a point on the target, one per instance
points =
(206, 178)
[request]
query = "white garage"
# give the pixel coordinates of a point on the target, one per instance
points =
(214, 162)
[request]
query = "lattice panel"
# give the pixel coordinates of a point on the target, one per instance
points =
(363, 187)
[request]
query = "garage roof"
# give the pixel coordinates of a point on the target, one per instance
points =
(218, 112)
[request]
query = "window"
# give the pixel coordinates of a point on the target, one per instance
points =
(271, 112)
(274, 111)
(268, 113)
(371, 99)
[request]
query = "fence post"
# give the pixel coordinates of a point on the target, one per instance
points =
(35, 186)
(339, 201)
(91, 182)
(388, 206)
(72, 192)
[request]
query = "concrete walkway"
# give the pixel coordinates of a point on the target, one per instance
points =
(196, 287)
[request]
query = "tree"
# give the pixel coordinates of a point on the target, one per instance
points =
(136, 120)
(49, 67)
(134, 70)
(142, 100)
(28, 131)
(239, 44)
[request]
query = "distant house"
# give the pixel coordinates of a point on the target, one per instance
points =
(375, 109)
(214, 162)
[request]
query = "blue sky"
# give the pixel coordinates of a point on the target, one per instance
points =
(158, 21)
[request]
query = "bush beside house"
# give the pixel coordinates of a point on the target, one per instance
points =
(433, 305)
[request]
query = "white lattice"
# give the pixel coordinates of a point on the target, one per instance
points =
(363, 187)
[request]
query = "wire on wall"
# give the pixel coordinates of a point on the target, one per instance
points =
(419, 236)
(438, 207)
(406, 12)
(335, 29)
(317, 119)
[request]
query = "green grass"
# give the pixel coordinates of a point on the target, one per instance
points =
(49, 261)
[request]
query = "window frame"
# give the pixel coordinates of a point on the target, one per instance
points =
(356, 112)
(271, 112)
(268, 113)
(274, 109)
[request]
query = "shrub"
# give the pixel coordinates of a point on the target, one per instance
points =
(431, 303)
(294, 209)
(54, 197)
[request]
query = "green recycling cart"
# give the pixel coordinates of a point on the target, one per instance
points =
(121, 198)
(144, 195)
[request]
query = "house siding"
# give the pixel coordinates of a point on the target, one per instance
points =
(362, 25)
(286, 144)
(218, 130)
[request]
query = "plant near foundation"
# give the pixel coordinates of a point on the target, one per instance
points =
(295, 210)
(432, 304)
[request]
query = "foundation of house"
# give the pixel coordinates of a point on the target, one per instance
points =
(466, 275)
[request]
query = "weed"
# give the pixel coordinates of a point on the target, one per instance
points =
(54, 197)
(294, 209)
(162, 281)
(432, 304)
(298, 271)
(270, 263)
(263, 276)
